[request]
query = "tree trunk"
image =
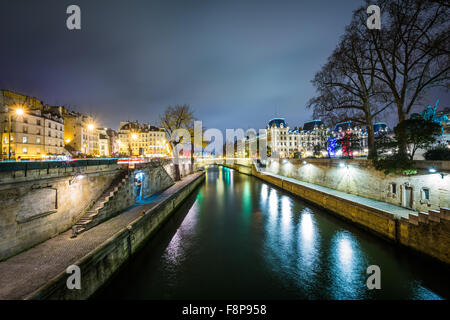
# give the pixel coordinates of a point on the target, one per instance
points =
(402, 147)
(176, 172)
(176, 163)
(371, 141)
(191, 169)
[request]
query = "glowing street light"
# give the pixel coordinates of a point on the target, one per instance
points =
(134, 136)
(20, 112)
(90, 127)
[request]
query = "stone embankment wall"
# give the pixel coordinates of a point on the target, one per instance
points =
(427, 233)
(98, 266)
(36, 205)
(39, 204)
(154, 179)
(359, 177)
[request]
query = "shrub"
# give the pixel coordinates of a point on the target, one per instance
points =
(396, 163)
(441, 152)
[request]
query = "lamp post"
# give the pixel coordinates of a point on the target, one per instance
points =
(19, 112)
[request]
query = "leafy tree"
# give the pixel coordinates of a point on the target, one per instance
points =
(317, 148)
(416, 134)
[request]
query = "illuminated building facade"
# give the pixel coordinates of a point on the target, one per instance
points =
(34, 131)
(80, 133)
(137, 139)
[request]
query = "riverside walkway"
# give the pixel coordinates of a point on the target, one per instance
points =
(398, 212)
(26, 272)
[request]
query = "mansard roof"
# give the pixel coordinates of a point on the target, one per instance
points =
(310, 125)
(277, 122)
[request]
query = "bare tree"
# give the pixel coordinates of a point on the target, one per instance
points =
(174, 120)
(347, 87)
(412, 49)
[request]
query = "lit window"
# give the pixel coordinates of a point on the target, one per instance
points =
(25, 150)
(38, 150)
(38, 140)
(25, 139)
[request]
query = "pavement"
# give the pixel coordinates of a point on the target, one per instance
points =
(397, 211)
(24, 273)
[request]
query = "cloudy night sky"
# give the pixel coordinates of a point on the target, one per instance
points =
(237, 63)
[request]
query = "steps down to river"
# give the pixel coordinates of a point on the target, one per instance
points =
(88, 220)
(431, 216)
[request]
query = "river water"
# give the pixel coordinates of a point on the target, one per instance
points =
(237, 237)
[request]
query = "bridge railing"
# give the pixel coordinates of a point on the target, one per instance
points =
(6, 166)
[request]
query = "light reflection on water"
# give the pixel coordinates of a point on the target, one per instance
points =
(244, 239)
(179, 246)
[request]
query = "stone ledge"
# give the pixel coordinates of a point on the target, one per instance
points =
(37, 216)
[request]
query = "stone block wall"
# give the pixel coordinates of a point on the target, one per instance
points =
(154, 179)
(39, 205)
(359, 177)
(428, 233)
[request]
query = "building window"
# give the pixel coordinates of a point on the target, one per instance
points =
(393, 188)
(25, 129)
(38, 140)
(25, 150)
(425, 193)
(38, 122)
(25, 139)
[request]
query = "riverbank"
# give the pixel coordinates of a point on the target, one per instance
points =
(427, 233)
(40, 272)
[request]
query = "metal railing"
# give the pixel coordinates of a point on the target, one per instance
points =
(6, 166)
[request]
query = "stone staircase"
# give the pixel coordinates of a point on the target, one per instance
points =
(432, 216)
(86, 221)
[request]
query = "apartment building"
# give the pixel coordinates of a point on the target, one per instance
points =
(137, 139)
(29, 130)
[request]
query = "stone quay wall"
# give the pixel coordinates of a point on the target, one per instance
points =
(359, 177)
(154, 179)
(427, 233)
(102, 263)
(36, 205)
(39, 204)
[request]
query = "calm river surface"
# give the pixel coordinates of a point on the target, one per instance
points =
(237, 237)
